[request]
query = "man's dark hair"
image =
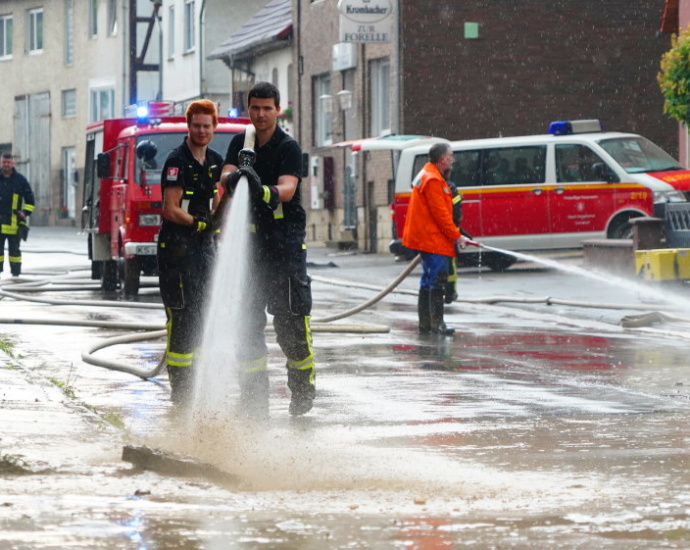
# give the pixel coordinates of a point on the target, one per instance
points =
(7, 156)
(437, 151)
(264, 90)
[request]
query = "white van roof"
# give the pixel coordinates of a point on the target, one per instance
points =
(522, 140)
(395, 142)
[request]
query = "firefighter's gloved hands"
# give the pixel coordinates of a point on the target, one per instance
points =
(234, 178)
(268, 194)
(201, 224)
(23, 230)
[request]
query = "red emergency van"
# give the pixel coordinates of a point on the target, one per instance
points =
(552, 191)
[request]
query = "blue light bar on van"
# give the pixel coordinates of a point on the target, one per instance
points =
(568, 127)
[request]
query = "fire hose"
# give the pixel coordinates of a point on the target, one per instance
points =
(154, 331)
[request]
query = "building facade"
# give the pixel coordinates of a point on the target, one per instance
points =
(65, 64)
(463, 70)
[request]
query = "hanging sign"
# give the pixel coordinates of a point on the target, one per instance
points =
(366, 20)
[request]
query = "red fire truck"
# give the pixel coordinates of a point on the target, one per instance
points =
(122, 200)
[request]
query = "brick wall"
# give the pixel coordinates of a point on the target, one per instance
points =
(534, 62)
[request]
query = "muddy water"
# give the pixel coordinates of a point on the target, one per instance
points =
(522, 432)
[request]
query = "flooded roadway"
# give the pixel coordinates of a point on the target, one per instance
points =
(535, 427)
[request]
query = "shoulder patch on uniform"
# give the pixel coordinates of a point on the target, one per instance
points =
(172, 173)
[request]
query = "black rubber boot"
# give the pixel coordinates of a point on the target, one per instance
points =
(180, 384)
(438, 326)
(254, 395)
(423, 310)
(450, 294)
(302, 384)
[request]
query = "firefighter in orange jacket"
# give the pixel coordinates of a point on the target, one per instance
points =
(429, 228)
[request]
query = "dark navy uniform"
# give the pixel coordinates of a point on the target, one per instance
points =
(279, 266)
(451, 293)
(15, 196)
(185, 260)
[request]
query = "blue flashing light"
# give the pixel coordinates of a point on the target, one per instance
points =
(560, 128)
(568, 127)
(234, 112)
(142, 113)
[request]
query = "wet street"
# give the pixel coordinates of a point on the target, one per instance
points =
(536, 426)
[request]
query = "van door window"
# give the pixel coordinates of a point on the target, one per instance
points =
(576, 162)
(465, 170)
(514, 165)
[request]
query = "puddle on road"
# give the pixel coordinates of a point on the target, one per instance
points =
(495, 439)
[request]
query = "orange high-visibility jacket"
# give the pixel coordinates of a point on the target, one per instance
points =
(429, 224)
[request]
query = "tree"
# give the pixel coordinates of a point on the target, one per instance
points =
(674, 78)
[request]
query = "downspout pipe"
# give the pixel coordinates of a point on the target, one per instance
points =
(202, 12)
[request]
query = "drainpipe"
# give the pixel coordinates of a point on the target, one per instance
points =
(125, 57)
(300, 71)
(201, 48)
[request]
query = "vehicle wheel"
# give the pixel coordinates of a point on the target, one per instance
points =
(109, 275)
(467, 259)
(623, 230)
(130, 276)
(498, 262)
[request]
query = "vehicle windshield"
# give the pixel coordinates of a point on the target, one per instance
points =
(638, 154)
(166, 143)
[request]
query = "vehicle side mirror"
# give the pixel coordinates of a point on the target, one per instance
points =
(602, 171)
(103, 165)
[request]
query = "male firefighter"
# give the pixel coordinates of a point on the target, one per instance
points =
(185, 244)
(16, 205)
(278, 262)
(450, 291)
(429, 228)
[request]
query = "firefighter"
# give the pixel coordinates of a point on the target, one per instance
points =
(430, 229)
(16, 205)
(186, 244)
(450, 292)
(278, 260)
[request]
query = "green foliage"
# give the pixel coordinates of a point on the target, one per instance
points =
(65, 387)
(674, 78)
(7, 346)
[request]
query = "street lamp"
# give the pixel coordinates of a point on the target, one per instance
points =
(345, 99)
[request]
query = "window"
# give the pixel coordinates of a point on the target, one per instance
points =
(101, 103)
(6, 36)
(188, 25)
(575, 162)
(322, 109)
(34, 33)
(69, 103)
(171, 32)
(465, 171)
(69, 32)
(112, 17)
(69, 179)
(514, 165)
(380, 119)
(93, 18)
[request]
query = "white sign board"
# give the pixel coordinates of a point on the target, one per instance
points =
(368, 21)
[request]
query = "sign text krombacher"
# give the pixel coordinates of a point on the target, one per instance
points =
(366, 20)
